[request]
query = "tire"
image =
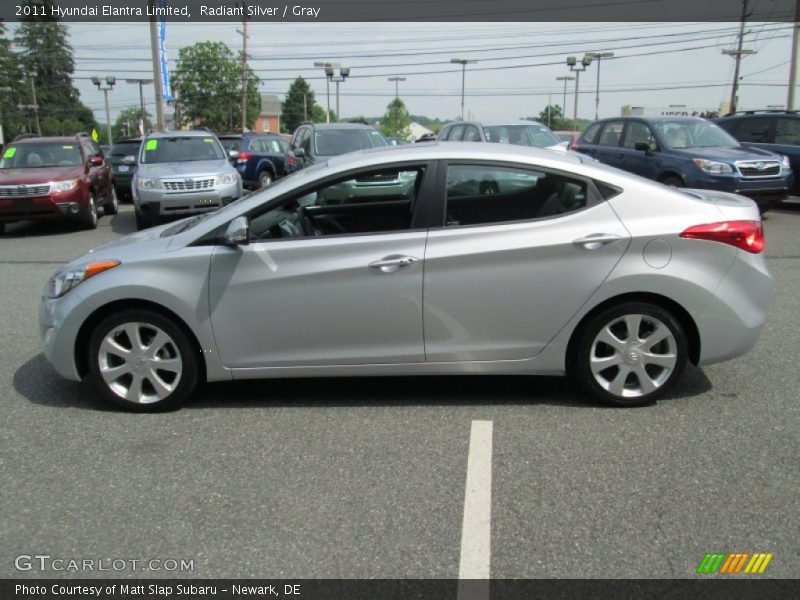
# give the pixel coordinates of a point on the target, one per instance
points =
(111, 207)
(673, 181)
(264, 179)
(2, 228)
(634, 370)
(88, 216)
(126, 350)
(145, 221)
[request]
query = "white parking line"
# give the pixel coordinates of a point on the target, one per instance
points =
(476, 529)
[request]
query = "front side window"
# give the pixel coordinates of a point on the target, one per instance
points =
(181, 149)
(472, 135)
(33, 155)
(638, 133)
(372, 202)
(478, 194)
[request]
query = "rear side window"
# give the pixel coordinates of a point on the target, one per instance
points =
(478, 195)
(590, 135)
(611, 134)
(787, 131)
(754, 130)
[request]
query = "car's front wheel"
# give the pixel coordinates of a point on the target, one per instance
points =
(142, 361)
(630, 354)
(264, 179)
(88, 215)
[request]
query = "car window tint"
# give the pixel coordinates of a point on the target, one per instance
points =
(456, 133)
(472, 135)
(590, 135)
(372, 202)
(305, 141)
(181, 149)
(754, 130)
(637, 133)
(272, 147)
(41, 155)
(125, 149)
(611, 134)
(488, 194)
(787, 131)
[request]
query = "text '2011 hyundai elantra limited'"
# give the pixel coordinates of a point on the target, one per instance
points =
(448, 258)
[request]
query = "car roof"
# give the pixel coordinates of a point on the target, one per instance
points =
(180, 133)
(502, 123)
(658, 119)
(340, 126)
(49, 139)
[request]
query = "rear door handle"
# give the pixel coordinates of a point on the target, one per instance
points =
(594, 241)
(390, 264)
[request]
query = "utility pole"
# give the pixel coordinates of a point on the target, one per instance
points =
(143, 114)
(35, 107)
(737, 54)
(110, 83)
(793, 67)
(244, 65)
(156, 68)
(565, 79)
(463, 62)
(598, 56)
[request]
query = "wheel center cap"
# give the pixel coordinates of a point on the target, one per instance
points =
(632, 356)
(139, 364)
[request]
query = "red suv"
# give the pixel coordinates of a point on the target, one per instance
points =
(55, 177)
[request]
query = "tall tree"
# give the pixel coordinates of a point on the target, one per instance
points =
(207, 83)
(396, 120)
(13, 121)
(558, 122)
(127, 123)
(46, 60)
(299, 105)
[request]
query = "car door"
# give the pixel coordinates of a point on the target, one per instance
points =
(607, 147)
(512, 263)
(642, 162)
(332, 275)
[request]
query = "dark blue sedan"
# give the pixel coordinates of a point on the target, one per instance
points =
(261, 157)
(689, 152)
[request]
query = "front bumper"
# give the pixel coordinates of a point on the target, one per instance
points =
(59, 324)
(765, 192)
(51, 206)
(164, 203)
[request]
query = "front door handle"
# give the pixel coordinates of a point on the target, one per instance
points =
(390, 264)
(596, 240)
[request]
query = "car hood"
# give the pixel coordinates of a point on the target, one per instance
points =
(192, 168)
(39, 175)
(728, 154)
(139, 244)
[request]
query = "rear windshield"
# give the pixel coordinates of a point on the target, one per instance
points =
(537, 136)
(231, 144)
(39, 155)
(181, 149)
(332, 143)
(125, 148)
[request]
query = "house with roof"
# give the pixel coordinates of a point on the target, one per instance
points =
(269, 120)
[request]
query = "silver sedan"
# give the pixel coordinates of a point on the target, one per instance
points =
(429, 259)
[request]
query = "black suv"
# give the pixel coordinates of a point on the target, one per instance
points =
(122, 170)
(775, 130)
(317, 141)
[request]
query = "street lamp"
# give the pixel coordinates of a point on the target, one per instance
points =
(397, 81)
(572, 63)
(4, 89)
(110, 81)
(463, 62)
(565, 79)
(141, 82)
(330, 76)
(599, 56)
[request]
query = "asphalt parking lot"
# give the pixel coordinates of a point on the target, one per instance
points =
(340, 478)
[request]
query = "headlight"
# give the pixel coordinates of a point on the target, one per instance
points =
(64, 281)
(713, 167)
(226, 179)
(785, 164)
(149, 184)
(63, 186)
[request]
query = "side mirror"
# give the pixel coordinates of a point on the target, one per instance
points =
(233, 154)
(238, 232)
(642, 147)
(129, 160)
(299, 153)
(96, 161)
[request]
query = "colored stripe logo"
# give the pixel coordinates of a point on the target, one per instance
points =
(734, 562)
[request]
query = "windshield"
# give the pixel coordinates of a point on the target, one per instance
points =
(40, 155)
(125, 148)
(694, 134)
(342, 141)
(537, 136)
(181, 149)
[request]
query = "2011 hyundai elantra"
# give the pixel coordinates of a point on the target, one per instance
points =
(448, 258)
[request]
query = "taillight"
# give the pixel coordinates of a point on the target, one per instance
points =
(243, 157)
(291, 160)
(747, 235)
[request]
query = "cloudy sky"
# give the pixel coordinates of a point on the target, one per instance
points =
(655, 65)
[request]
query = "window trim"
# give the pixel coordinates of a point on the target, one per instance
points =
(438, 215)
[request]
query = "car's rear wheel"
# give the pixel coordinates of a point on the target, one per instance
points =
(264, 179)
(111, 207)
(672, 181)
(88, 216)
(141, 361)
(631, 354)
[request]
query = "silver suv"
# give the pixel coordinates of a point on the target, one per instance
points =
(182, 173)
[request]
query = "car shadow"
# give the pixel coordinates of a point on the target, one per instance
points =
(36, 381)
(124, 222)
(22, 229)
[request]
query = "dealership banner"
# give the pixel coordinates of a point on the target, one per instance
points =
(166, 90)
(402, 10)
